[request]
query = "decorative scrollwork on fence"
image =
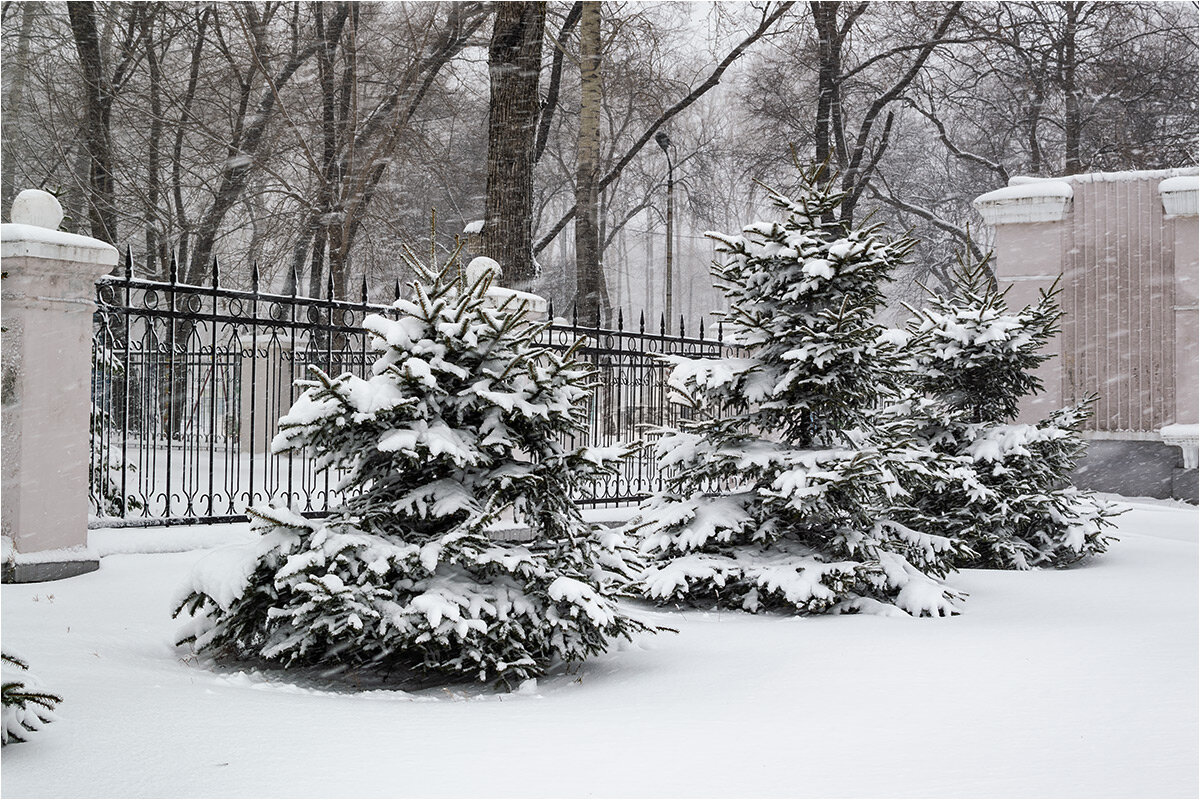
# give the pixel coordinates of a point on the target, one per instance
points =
(189, 382)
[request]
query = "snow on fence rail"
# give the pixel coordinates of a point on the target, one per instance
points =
(188, 383)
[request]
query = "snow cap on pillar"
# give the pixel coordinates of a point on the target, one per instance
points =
(1179, 195)
(1025, 200)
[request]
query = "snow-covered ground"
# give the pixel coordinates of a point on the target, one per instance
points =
(1081, 683)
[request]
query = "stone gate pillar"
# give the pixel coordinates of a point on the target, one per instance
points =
(1180, 207)
(48, 290)
(1027, 217)
(1179, 199)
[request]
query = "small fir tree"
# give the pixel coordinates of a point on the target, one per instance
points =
(784, 477)
(460, 424)
(26, 709)
(107, 468)
(1008, 495)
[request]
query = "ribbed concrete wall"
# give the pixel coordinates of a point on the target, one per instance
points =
(1118, 332)
(1128, 251)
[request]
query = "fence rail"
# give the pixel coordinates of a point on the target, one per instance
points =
(188, 383)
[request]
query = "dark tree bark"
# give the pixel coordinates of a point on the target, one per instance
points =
(351, 172)
(829, 68)
(862, 163)
(182, 223)
(514, 64)
(323, 216)
(156, 247)
(550, 104)
(1072, 115)
(101, 206)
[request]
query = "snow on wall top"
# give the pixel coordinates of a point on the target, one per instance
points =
(1038, 187)
(1029, 199)
(1121, 176)
(1179, 195)
(474, 227)
(1032, 201)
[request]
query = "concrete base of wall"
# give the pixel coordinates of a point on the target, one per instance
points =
(1185, 486)
(1136, 469)
(40, 571)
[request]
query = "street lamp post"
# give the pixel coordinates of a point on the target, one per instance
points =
(665, 143)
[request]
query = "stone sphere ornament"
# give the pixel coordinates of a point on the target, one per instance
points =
(38, 208)
(481, 266)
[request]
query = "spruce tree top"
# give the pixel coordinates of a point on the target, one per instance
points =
(803, 291)
(464, 414)
(976, 355)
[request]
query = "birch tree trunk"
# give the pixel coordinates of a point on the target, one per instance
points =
(589, 280)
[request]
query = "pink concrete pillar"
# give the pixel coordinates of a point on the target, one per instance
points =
(1027, 217)
(47, 291)
(1179, 199)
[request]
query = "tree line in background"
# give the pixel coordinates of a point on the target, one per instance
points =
(310, 138)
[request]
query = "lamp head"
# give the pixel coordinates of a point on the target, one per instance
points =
(663, 140)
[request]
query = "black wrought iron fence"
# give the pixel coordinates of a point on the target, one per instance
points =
(188, 384)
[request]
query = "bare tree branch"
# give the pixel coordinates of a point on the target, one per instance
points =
(713, 79)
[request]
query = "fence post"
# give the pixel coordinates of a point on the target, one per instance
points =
(48, 292)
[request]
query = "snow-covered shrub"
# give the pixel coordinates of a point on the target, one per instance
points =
(105, 473)
(784, 481)
(1007, 494)
(104, 484)
(460, 425)
(26, 708)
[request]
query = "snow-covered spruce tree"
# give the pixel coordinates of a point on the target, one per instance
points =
(1008, 496)
(460, 423)
(26, 709)
(784, 479)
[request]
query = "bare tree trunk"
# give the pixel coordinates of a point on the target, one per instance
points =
(242, 152)
(551, 102)
(769, 18)
(1073, 117)
(588, 278)
(829, 47)
(183, 225)
(1035, 116)
(392, 117)
(13, 107)
(155, 250)
(514, 64)
(101, 205)
(322, 216)
(339, 251)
